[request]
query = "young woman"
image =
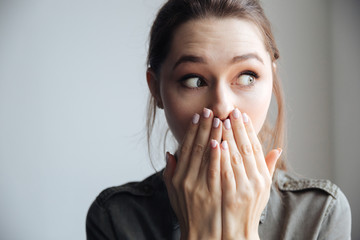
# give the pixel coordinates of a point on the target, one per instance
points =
(212, 69)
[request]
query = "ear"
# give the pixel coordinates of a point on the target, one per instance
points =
(154, 87)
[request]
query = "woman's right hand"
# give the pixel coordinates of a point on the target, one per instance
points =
(193, 181)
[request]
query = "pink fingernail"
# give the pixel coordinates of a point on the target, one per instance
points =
(236, 113)
(280, 151)
(227, 124)
(245, 117)
(216, 123)
(213, 143)
(224, 145)
(206, 113)
(196, 118)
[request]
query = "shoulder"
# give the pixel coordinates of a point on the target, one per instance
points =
(307, 190)
(314, 204)
(124, 195)
(291, 182)
(130, 211)
(144, 188)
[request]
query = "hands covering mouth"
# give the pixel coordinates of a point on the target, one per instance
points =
(221, 182)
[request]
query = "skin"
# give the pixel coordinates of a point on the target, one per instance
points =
(220, 182)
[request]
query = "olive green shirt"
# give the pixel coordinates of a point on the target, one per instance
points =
(298, 208)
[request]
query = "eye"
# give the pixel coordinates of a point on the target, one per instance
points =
(246, 79)
(193, 82)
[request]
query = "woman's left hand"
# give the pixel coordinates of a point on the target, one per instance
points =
(246, 177)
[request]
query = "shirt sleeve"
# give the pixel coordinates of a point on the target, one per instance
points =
(337, 222)
(99, 225)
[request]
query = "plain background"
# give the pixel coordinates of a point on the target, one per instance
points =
(73, 97)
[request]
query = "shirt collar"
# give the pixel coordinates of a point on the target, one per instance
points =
(263, 214)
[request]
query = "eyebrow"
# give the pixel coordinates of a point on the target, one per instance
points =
(197, 59)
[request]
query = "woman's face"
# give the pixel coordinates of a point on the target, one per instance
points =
(220, 64)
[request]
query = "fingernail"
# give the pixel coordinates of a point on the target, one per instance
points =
(245, 117)
(195, 118)
(216, 123)
(227, 124)
(206, 113)
(167, 157)
(224, 145)
(280, 151)
(213, 143)
(236, 113)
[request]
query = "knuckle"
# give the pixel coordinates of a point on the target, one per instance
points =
(213, 173)
(175, 183)
(236, 158)
(186, 186)
(228, 175)
(232, 205)
(198, 194)
(198, 148)
(246, 149)
(185, 148)
(257, 148)
(235, 204)
(247, 193)
(207, 154)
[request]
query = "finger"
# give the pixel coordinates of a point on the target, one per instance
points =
(200, 144)
(216, 136)
(256, 145)
(271, 160)
(216, 130)
(186, 146)
(168, 175)
(242, 142)
(227, 175)
(236, 160)
(212, 169)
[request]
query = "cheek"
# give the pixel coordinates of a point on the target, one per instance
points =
(258, 116)
(178, 113)
(257, 108)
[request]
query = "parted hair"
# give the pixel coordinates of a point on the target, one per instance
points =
(177, 12)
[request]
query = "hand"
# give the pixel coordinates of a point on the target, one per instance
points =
(193, 181)
(246, 178)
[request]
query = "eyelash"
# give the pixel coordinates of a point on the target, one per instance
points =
(188, 76)
(250, 73)
(247, 72)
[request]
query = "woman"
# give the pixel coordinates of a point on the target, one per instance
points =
(212, 69)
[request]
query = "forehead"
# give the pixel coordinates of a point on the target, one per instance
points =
(216, 38)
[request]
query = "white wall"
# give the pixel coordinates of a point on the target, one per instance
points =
(301, 29)
(346, 102)
(73, 95)
(320, 67)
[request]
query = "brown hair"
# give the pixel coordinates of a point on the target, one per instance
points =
(176, 12)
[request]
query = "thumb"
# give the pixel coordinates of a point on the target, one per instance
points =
(271, 159)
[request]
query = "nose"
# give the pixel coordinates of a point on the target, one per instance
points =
(221, 101)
